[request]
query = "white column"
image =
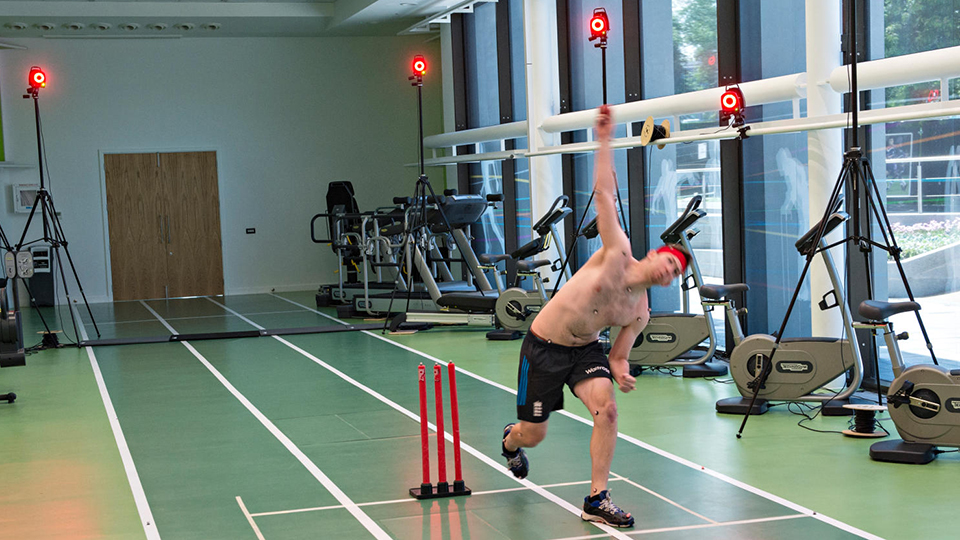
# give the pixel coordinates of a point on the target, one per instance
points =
(543, 101)
(824, 147)
(449, 114)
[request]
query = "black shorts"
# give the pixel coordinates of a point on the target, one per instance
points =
(544, 369)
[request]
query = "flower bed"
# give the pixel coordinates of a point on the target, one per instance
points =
(924, 237)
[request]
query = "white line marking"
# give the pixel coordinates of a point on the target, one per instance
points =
(661, 497)
(362, 517)
(169, 328)
(466, 447)
(408, 500)
(694, 527)
(139, 496)
(249, 517)
(633, 440)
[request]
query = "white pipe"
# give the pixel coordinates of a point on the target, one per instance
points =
(772, 90)
(907, 69)
(496, 132)
(834, 121)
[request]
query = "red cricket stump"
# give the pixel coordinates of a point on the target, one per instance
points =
(426, 488)
(458, 486)
(442, 485)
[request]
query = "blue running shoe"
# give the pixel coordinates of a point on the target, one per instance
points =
(603, 510)
(516, 461)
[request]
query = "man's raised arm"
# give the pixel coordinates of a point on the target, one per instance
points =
(605, 185)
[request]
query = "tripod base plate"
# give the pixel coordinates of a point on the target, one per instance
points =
(900, 451)
(740, 405)
(706, 369)
(504, 335)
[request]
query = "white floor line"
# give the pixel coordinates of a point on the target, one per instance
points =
(408, 500)
(661, 497)
(694, 527)
(249, 517)
(496, 465)
(633, 440)
(139, 496)
(351, 507)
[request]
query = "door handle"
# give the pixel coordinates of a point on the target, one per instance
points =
(168, 229)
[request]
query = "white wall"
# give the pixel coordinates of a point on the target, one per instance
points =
(286, 116)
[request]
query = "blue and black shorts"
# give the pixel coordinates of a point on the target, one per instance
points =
(545, 367)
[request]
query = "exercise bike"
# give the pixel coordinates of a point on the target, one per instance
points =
(801, 365)
(516, 307)
(674, 339)
(923, 400)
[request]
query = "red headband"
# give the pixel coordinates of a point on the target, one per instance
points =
(676, 253)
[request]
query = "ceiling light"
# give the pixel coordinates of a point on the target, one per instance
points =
(16, 26)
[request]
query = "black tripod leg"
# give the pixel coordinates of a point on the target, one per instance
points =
(61, 238)
(831, 204)
(876, 204)
(759, 381)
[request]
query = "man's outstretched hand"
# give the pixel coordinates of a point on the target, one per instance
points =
(604, 127)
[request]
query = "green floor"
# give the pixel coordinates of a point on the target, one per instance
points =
(314, 436)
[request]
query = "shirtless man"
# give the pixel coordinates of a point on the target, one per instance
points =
(562, 345)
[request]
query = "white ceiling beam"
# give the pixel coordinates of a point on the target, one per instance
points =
(165, 9)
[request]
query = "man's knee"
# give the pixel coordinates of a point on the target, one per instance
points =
(607, 412)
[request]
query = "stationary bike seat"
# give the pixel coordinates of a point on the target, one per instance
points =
(718, 292)
(876, 310)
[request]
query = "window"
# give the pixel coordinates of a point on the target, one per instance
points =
(917, 167)
(680, 55)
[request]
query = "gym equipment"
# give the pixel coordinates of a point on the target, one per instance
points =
(11, 336)
(443, 218)
(923, 399)
(516, 307)
(361, 241)
(800, 365)
(674, 339)
(513, 309)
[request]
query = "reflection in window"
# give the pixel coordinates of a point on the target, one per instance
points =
(776, 207)
(679, 55)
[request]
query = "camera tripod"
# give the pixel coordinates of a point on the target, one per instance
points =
(416, 242)
(53, 234)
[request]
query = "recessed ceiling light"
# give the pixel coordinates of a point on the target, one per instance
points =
(129, 26)
(74, 26)
(157, 26)
(46, 26)
(16, 26)
(185, 26)
(101, 26)
(210, 26)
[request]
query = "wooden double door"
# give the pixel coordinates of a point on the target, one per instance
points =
(164, 220)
